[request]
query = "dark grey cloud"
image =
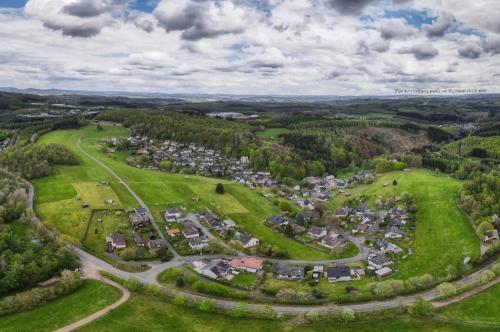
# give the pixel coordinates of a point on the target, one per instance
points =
(194, 22)
(492, 46)
(421, 51)
(145, 25)
(82, 31)
(93, 8)
(395, 28)
(470, 51)
(349, 7)
(439, 27)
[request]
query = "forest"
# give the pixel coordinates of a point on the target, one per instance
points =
(29, 253)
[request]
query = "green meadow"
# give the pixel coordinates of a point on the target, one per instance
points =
(69, 186)
(443, 235)
(92, 296)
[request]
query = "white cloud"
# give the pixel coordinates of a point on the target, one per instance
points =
(232, 46)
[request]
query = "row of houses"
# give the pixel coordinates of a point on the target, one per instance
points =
(322, 235)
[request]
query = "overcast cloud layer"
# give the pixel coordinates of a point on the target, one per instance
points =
(334, 47)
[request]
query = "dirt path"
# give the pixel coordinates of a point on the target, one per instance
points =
(463, 296)
(102, 312)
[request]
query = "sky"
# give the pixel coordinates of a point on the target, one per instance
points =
(288, 47)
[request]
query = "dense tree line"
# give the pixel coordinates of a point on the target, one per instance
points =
(34, 161)
(28, 255)
(480, 197)
(475, 146)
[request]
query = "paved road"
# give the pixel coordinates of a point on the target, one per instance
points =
(149, 277)
(137, 198)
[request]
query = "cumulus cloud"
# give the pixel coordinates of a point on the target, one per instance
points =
(395, 28)
(198, 19)
(349, 7)
(492, 45)
(439, 27)
(422, 51)
(81, 18)
(470, 51)
(92, 8)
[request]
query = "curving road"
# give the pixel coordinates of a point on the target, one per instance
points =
(92, 263)
(149, 277)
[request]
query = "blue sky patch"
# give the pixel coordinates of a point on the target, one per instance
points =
(12, 3)
(415, 18)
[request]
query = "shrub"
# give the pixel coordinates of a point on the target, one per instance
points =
(200, 286)
(312, 316)
(383, 289)
(420, 308)
(152, 290)
(486, 276)
(496, 268)
(192, 279)
(134, 285)
(179, 281)
(208, 305)
(347, 315)
(219, 189)
(447, 289)
(170, 275)
(240, 310)
(180, 300)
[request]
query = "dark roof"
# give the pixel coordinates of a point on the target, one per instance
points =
(338, 272)
(118, 238)
(190, 231)
(292, 271)
(138, 238)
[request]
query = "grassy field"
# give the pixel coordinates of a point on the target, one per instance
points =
(443, 236)
(159, 190)
(272, 132)
(483, 307)
(143, 313)
(91, 297)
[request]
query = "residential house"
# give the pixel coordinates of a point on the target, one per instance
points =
(229, 223)
(317, 232)
(278, 221)
(332, 240)
(394, 232)
(291, 272)
(338, 273)
(491, 236)
(138, 239)
(198, 243)
(246, 240)
(173, 232)
(190, 232)
(217, 269)
(116, 241)
(378, 261)
(387, 247)
(171, 215)
(138, 220)
(383, 272)
(297, 229)
(249, 264)
(154, 245)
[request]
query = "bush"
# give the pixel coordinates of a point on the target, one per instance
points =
(219, 189)
(496, 269)
(347, 315)
(200, 286)
(134, 285)
(170, 275)
(383, 289)
(240, 310)
(420, 308)
(312, 316)
(192, 279)
(179, 281)
(486, 276)
(447, 289)
(208, 305)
